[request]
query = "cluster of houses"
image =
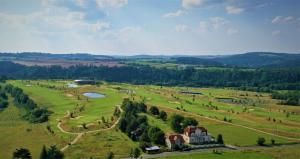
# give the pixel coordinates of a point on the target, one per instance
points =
(191, 135)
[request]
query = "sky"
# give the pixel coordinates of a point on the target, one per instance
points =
(154, 27)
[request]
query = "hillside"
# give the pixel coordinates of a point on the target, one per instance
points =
(260, 59)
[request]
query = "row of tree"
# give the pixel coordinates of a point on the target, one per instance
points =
(3, 79)
(3, 99)
(34, 113)
(52, 153)
(136, 126)
(142, 74)
(159, 114)
(287, 97)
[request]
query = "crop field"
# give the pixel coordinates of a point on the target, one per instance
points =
(241, 117)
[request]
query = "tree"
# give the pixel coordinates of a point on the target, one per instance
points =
(220, 139)
(163, 115)
(176, 123)
(261, 141)
(273, 141)
(189, 121)
(54, 153)
(136, 152)
(44, 154)
(21, 153)
(156, 135)
(141, 107)
(154, 110)
(110, 155)
(123, 125)
(145, 137)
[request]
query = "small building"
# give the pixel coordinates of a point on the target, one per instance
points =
(196, 135)
(136, 134)
(174, 141)
(153, 149)
(92, 82)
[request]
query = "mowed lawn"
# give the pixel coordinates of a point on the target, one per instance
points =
(18, 133)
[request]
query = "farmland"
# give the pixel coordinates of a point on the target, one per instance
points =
(249, 115)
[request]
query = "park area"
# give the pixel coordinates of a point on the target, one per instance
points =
(85, 126)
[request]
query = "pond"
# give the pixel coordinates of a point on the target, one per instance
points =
(72, 85)
(93, 95)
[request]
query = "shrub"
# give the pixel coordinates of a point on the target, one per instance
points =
(154, 110)
(261, 141)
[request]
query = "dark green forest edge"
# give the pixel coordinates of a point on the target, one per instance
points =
(261, 80)
(31, 112)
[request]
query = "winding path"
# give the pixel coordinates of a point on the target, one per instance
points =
(80, 134)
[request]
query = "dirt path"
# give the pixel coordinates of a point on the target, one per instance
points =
(80, 134)
(220, 121)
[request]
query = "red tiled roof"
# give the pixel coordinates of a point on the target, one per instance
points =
(173, 138)
(191, 129)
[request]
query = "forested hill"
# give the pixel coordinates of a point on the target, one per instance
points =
(260, 79)
(260, 59)
(48, 56)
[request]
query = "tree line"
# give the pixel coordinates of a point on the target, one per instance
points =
(3, 99)
(136, 126)
(262, 79)
(287, 97)
(47, 153)
(34, 114)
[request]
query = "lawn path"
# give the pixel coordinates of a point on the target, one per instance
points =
(80, 134)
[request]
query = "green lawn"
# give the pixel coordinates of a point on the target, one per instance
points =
(17, 133)
(59, 99)
(224, 155)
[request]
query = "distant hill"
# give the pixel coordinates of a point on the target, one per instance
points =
(247, 60)
(197, 61)
(48, 56)
(260, 59)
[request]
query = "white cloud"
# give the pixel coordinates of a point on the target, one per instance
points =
(111, 3)
(232, 31)
(180, 28)
(282, 19)
(174, 14)
(217, 22)
(276, 32)
(234, 10)
(214, 23)
(81, 3)
(191, 3)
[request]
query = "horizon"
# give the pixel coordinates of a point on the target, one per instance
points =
(143, 27)
(145, 54)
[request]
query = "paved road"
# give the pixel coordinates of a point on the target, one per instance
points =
(227, 148)
(80, 134)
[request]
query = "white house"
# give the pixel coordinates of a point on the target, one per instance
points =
(196, 135)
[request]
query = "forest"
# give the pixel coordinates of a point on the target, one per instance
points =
(259, 79)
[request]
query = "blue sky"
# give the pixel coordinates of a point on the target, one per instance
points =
(165, 27)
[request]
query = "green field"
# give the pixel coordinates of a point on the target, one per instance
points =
(249, 114)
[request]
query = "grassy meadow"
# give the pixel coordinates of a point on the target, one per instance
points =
(247, 114)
